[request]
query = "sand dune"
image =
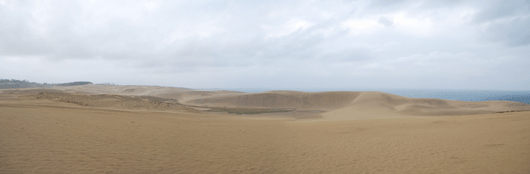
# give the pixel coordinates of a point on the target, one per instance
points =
(333, 105)
(353, 104)
(52, 134)
(282, 99)
(103, 100)
(120, 89)
(179, 94)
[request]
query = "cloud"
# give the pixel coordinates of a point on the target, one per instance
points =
(385, 21)
(505, 21)
(513, 32)
(268, 43)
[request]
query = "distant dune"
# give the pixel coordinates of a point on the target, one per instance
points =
(282, 99)
(330, 105)
(354, 103)
(180, 94)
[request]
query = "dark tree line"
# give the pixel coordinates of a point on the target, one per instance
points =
(14, 83)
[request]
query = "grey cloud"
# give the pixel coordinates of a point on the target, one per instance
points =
(499, 9)
(513, 33)
(506, 22)
(386, 3)
(385, 21)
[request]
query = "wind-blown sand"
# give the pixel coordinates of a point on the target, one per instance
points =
(67, 130)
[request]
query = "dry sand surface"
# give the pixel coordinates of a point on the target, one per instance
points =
(149, 130)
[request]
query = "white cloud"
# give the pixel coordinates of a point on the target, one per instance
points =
(413, 25)
(362, 26)
(289, 27)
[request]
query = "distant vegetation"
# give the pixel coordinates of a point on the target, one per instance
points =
(13, 83)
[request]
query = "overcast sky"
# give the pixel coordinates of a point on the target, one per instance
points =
(449, 44)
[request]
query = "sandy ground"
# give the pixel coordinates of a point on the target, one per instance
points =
(43, 135)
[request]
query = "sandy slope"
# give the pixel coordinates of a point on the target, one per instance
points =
(103, 100)
(383, 105)
(179, 94)
(128, 129)
(353, 105)
(45, 136)
(282, 99)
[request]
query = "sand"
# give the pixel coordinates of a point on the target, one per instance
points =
(375, 133)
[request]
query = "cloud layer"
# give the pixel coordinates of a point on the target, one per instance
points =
(270, 44)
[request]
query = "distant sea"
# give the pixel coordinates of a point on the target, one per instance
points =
(452, 94)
